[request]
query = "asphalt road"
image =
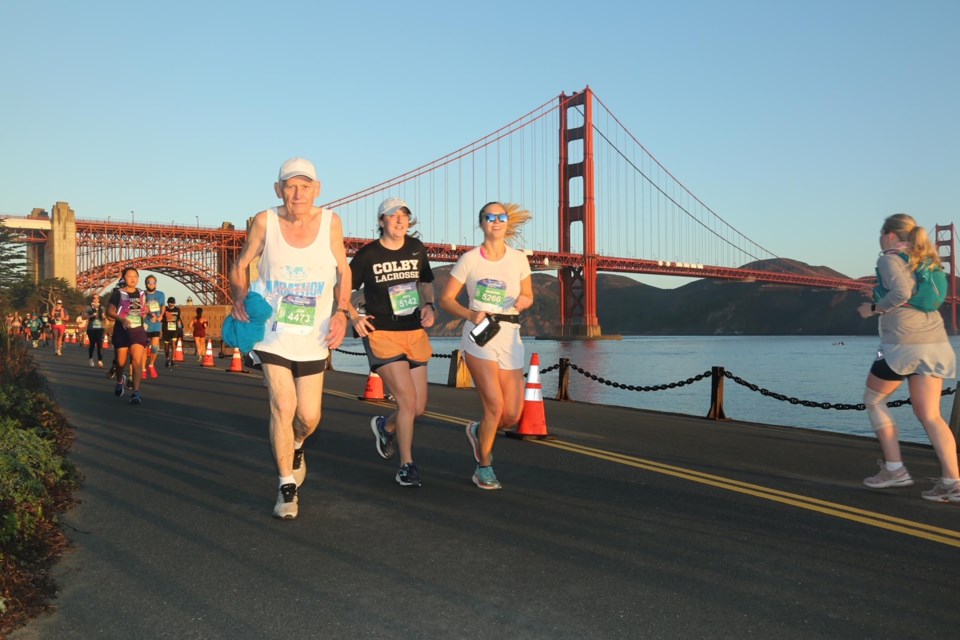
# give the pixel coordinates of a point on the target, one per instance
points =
(630, 524)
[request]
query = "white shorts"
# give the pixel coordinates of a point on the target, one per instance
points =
(505, 348)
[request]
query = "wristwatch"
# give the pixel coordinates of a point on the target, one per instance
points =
(345, 312)
(429, 304)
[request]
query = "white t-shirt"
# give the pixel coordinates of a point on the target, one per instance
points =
(492, 285)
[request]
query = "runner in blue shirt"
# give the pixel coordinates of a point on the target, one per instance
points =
(156, 301)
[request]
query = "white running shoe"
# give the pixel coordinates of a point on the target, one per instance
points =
(886, 478)
(287, 499)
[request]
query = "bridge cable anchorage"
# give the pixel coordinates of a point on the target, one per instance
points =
(839, 406)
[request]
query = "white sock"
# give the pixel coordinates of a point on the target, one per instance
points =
(287, 480)
(297, 445)
(893, 466)
(950, 482)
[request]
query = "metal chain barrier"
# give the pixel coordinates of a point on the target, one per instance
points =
(361, 353)
(630, 387)
(350, 353)
(839, 406)
(552, 367)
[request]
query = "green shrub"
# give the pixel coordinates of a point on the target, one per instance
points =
(29, 469)
(36, 484)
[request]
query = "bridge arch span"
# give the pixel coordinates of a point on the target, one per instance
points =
(208, 285)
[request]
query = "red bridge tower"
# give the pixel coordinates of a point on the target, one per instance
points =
(945, 238)
(578, 285)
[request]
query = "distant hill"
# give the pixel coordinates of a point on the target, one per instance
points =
(702, 307)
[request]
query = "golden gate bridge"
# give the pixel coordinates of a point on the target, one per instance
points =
(601, 203)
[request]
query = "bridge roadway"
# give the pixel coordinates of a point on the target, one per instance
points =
(630, 524)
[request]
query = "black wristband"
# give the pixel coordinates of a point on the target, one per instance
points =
(429, 304)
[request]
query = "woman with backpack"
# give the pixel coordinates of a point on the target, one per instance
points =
(913, 346)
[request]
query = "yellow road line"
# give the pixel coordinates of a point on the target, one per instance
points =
(880, 520)
(870, 518)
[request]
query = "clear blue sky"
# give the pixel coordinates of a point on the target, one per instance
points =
(801, 123)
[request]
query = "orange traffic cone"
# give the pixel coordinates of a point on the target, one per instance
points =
(106, 343)
(86, 340)
(236, 362)
(178, 354)
(208, 358)
(374, 390)
(533, 420)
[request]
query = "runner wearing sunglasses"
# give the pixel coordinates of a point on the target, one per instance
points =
(499, 286)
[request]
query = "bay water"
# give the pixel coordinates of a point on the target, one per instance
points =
(818, 368)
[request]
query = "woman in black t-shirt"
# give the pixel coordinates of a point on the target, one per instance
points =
(397, 283)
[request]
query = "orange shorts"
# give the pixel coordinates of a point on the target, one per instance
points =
(384, 347)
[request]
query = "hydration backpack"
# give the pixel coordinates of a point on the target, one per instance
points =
(931, 286)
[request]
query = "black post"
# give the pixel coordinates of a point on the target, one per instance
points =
(454, 364)
(563, 380)
(716, 395)
(955, 416)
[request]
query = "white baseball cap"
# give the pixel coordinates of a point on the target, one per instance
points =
(389, 206)
(297, 167)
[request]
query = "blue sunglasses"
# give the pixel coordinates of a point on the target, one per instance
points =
(495, 217)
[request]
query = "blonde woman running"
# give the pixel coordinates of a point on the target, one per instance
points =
(497, 278)
(913, 345)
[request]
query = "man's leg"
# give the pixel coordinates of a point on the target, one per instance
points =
(282, 392)
(154, 352)
(294, 415)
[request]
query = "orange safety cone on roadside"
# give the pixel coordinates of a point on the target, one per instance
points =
(236, 362)
(208, 358)
(178, 354)
(86, 340)
(533, 420)
(106, 343)
(374, 389)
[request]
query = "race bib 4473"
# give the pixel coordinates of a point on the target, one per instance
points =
(296, 314)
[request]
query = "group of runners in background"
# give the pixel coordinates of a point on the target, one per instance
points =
(40, 329)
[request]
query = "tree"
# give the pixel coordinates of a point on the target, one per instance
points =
(13, 263)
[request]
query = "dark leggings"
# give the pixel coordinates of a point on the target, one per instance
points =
(96, 340)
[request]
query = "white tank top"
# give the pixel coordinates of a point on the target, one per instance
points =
(298, 284)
